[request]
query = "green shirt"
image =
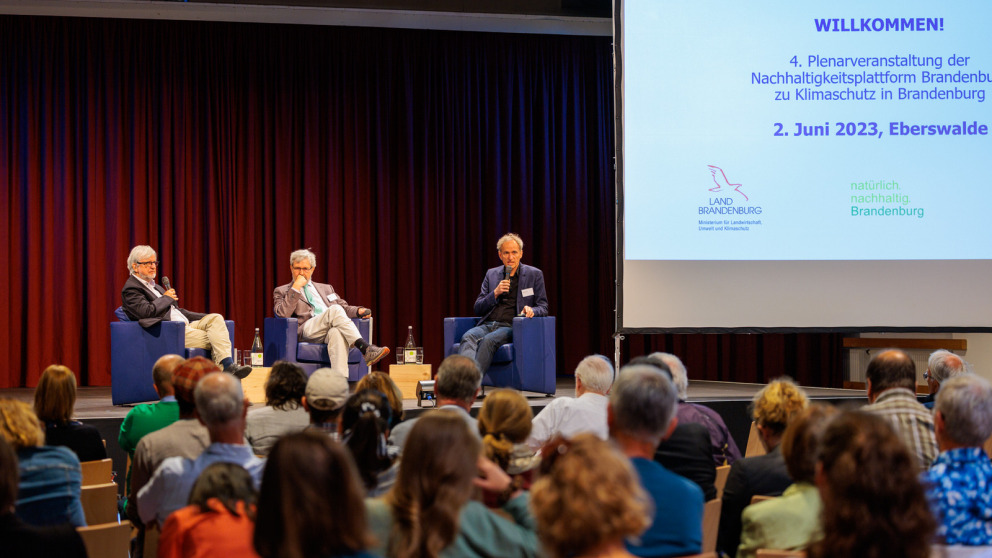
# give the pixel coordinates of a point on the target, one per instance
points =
(789, 522)
(142, 420)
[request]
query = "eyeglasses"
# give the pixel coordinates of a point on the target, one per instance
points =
(927, 375)
(302, 269)
(153, 262)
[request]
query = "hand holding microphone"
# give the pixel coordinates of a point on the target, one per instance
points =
(169, 291)
(504, 285)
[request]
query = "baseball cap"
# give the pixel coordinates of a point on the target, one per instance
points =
(326, 390)
(187, 374)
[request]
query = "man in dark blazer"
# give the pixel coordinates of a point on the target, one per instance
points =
(323, 316)
(510, 290)
(148, 303)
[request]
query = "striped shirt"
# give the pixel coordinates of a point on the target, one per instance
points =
(912, 422)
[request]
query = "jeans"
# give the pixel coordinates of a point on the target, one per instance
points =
(480, 342)
(50, 482)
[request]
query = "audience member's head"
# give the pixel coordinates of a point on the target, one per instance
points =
(801, 441)
(890, 369)
(162, 372)
(642, 403)
(504, 421)
(679, 374)
(942, 366)
(311, 500)
(774, 407)
(873, 502)
(587, 497)
(435, 481)
(19, 425)
(219, 400)
(185, 377)
(594, 374)
(963, 412)
(653, 360)
(9, 477)
(381, 382)
(55, 396)
(228, 483)
(325, 396)
(285, 386)
(458, 380)
(364, 429)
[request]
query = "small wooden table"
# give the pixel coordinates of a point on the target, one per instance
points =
(254, 385)
(406, 377)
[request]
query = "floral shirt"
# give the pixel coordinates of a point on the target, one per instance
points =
(959, 487)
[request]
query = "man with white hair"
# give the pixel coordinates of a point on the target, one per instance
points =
(725, 450)
(222, 408)
(148, 303)
(958, 482)
(586, 412)
(323, 316)
(942, 366)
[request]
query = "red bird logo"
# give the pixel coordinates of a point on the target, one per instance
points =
(720, 179)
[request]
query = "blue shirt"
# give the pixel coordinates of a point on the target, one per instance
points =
(677, 527)
(169, 488)
(50, 481)
(959, 488)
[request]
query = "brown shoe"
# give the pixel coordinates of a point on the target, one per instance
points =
(374, 354)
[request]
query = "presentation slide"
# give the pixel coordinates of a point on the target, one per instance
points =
(814, 141)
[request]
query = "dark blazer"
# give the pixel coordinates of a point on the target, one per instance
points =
(83, 439)
(144, 308)
(764, 475)
(529, 278)
(688, 452)
(287, 303)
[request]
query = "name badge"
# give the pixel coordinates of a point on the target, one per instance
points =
(527, 292)
(332, 297)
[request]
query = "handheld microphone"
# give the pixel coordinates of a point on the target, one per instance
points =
(507, 270)
(165, 283)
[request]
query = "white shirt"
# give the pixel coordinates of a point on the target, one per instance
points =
(569, 416)
(174, 314)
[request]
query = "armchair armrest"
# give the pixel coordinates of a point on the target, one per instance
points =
(454, 329)
(281, 338)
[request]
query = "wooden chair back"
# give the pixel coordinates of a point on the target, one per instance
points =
(770, 553)
(711, 524)
(151, 542)
(721, 479)
(107, 540)
(754, 445)
(99, 503)
(760, 498)
(703, 555)
(97, 472)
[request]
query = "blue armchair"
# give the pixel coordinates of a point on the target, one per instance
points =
(134, 350)
(526, 364)
(282, 343)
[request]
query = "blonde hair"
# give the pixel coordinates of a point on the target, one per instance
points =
(19, 425)
(505, 419)
(55, 396)
(381, 382)
(777, 404)
(588, 494)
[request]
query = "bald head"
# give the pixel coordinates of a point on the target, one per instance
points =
(890, 369)
(944, 365)
(219, 399)
(162, 373)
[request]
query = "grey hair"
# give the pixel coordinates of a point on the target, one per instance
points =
(944, 364)
(643, 402)
(510, 236)
(457, 378)
(965, 402)
(596, 373)
(137, 254)
(679, 374)
(218, 398)
(301, 255)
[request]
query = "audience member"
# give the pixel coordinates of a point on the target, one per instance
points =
(311, 501)
(773, 408)
(54, 403)
(21, 540)
(504, 424)
(221, 407)
(891, 384)
(50, 477)
(792, 521)
(428, 511)
(364, 429)
(456, 387)
(576, 517)
(145, 419)
(283, 412)
(381, 382)
(219, 520)
(724, 448)
(187, 437)
(640, 414)
(959, 483)
(586, 412)
(873, 502)
(324, 397)
(942, 366)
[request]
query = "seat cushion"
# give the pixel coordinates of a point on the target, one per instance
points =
(317, 352)
(503, 355)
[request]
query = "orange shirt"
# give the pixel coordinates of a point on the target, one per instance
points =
(190, 533)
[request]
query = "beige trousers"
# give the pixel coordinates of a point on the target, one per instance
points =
(335, 328)
(210, 333)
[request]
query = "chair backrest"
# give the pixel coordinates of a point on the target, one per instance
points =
(121, 315)
(760, 498)
(97, 472)
(754, 445)
(770, 553)
(99, 503)
(721, 479)
(711, 524)
(107, 540)
(151, 541)
(703, 555)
